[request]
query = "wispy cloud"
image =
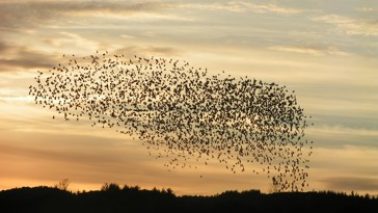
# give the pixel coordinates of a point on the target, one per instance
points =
(367, 9)
(19, 56)
(317, 51)
(243, 6)
(24, 57)
(352, 183)
(350, 26)
(346, 131)
(68, 41)
(33, 13)
(29, 14)
(149, 50)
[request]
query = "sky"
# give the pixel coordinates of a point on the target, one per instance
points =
(324, 50)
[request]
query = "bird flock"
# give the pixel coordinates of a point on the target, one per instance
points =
(185, 114)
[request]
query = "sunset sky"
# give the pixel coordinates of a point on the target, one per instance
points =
(324, 50)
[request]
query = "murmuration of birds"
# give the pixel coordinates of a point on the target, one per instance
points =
(185, 114)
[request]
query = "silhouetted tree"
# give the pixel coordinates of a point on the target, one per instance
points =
(63, 184)
(111, 198)
(110, 187)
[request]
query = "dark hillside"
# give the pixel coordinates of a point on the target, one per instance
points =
(133, 199)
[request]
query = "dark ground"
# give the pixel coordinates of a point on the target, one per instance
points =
(112, 198)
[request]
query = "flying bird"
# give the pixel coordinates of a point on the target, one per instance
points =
(185, 113)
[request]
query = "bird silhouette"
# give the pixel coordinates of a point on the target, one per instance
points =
(184, 113)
